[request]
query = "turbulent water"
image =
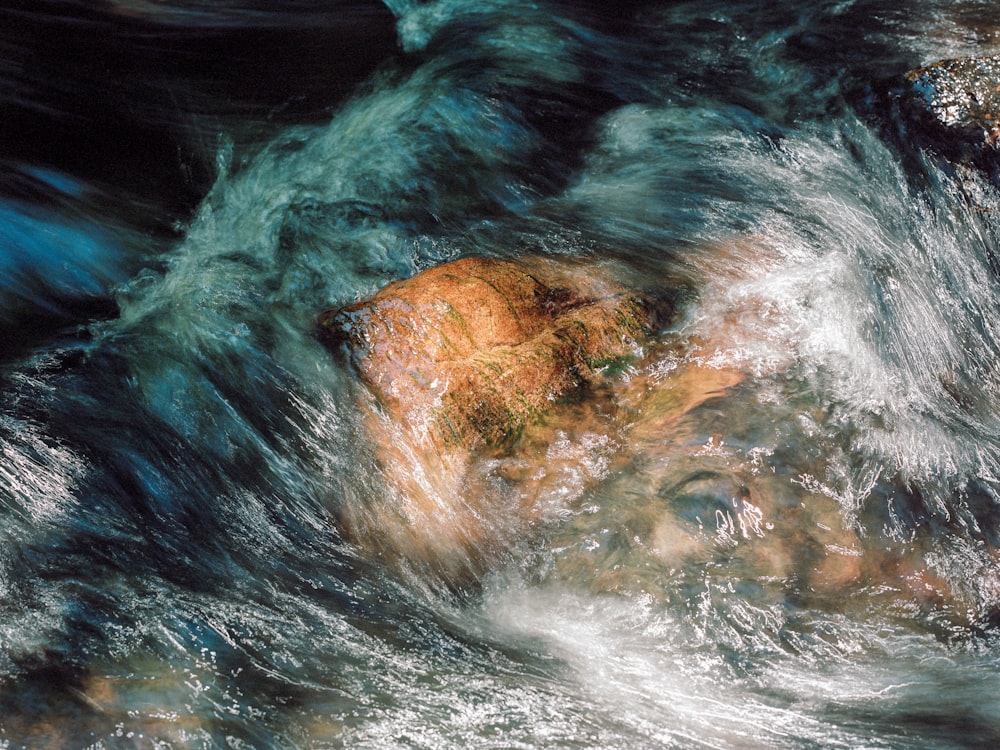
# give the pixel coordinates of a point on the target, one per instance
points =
(808, 560)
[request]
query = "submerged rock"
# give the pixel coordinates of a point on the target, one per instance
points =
(471, 351)
(953, 107)
(484, 374)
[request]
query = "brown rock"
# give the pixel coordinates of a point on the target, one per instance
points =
(472, 351)
(498, 400)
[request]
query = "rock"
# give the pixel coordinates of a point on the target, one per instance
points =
(470, 352)
(953, 107)
(484, 373)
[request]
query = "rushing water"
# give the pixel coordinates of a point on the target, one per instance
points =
(809, 560)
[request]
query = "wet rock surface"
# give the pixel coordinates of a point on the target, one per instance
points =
(473, 350)
(496, 397)
(953, 107)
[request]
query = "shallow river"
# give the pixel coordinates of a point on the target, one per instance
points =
(810, 558)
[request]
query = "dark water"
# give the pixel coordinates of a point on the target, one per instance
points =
(809, 561)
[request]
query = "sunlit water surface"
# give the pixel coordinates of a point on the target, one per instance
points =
(808, 560)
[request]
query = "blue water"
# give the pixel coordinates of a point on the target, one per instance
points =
(810, 560)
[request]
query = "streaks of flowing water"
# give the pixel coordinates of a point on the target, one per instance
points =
(789, 537)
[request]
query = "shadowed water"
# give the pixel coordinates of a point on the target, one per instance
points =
(807, 558)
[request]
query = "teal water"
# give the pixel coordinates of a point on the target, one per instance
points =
(808, 561)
